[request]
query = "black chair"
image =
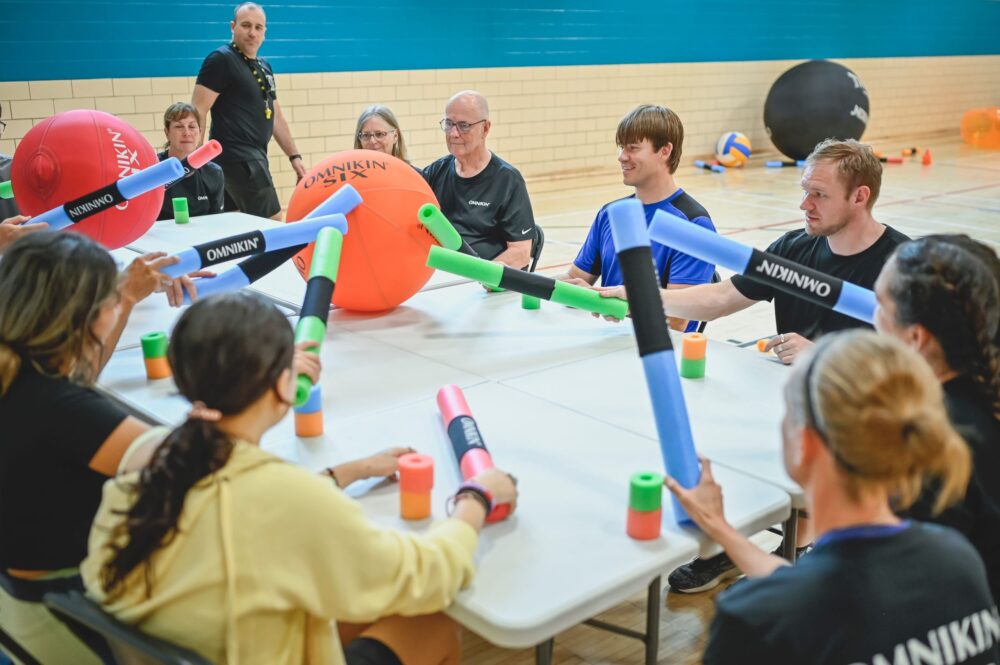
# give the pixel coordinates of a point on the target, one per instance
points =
(9, 646)
(536, 247)
(129, 645)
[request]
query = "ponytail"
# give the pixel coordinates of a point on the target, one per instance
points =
(219, 360)
(193, 451)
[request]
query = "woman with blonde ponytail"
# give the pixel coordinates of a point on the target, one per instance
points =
(864, 426)
(939, 296)
(62, 309)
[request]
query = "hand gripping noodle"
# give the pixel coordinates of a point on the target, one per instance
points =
(316, 304)
(497, 275)
(341, 202)
(775, 271)
(470, 450)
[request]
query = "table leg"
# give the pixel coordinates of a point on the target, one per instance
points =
(789, 532)
(543, 652)
(652, 640)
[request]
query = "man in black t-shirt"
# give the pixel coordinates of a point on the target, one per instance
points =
(483, 196)
(841, 183)
(238, 87)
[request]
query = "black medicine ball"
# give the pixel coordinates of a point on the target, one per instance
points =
(813, 101)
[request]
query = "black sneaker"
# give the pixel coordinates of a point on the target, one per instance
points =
(799, 551)
(703, 574)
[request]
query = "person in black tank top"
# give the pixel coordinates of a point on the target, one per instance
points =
(940, 296)
(864, 425)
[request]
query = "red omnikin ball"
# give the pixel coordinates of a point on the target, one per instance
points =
(384, 257)
(76, 152)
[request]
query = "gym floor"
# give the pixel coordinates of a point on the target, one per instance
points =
(958, 193)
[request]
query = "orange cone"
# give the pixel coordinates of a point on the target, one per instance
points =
(926, 160)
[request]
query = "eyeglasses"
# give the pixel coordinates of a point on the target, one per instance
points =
(364, 137)
(463, 127)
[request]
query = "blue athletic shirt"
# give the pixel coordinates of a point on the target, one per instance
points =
(597, 255)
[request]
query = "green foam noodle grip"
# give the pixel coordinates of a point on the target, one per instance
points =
(481, 270)
(6, 190)
(311, 326)
(693, 369)
(438, 225)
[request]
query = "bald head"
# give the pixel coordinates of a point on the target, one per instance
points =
(246, 6)
(470, 100)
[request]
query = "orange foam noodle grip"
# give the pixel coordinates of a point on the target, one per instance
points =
(762, 345)
(157, 368)
(416, 480)
(309, 424)
(693, 346)
(981, 127)
(644, 525)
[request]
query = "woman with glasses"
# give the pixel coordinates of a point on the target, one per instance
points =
(378, 130)
(864, 426)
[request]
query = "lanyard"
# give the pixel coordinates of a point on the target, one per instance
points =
(257, 70)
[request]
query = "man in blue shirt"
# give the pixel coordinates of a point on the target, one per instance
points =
(649, 140)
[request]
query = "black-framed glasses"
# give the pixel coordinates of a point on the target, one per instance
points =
(377, 135)
(463, 127)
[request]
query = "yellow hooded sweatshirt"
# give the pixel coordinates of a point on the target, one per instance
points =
(267, 555)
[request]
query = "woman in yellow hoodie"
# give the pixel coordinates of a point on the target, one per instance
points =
(228, 550)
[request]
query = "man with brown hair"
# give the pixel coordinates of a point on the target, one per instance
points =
(840, 182)
(649, 142)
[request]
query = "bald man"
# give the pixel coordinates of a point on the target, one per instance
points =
(483, 196)
(238, 87)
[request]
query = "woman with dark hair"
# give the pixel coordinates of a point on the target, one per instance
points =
(63, 306)
(939, 295)
(864, 425)
(228, 550)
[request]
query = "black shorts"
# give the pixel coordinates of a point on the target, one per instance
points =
(249, 188)
(366, 651)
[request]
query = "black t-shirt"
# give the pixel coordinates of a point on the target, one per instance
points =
(795, 315)
(489, 209)
(859, 600)
(240, 118)
(977, 516)
(51, 430)
(204, 189)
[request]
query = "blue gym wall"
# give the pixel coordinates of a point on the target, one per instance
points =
(70, 39)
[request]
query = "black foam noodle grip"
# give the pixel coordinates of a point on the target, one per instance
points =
(528, 283)
(464, 434)
(257, 266)
(793, 278)
(466, 248)
(643, 290)
(319, 292)
(93, 203)
(233, 247)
